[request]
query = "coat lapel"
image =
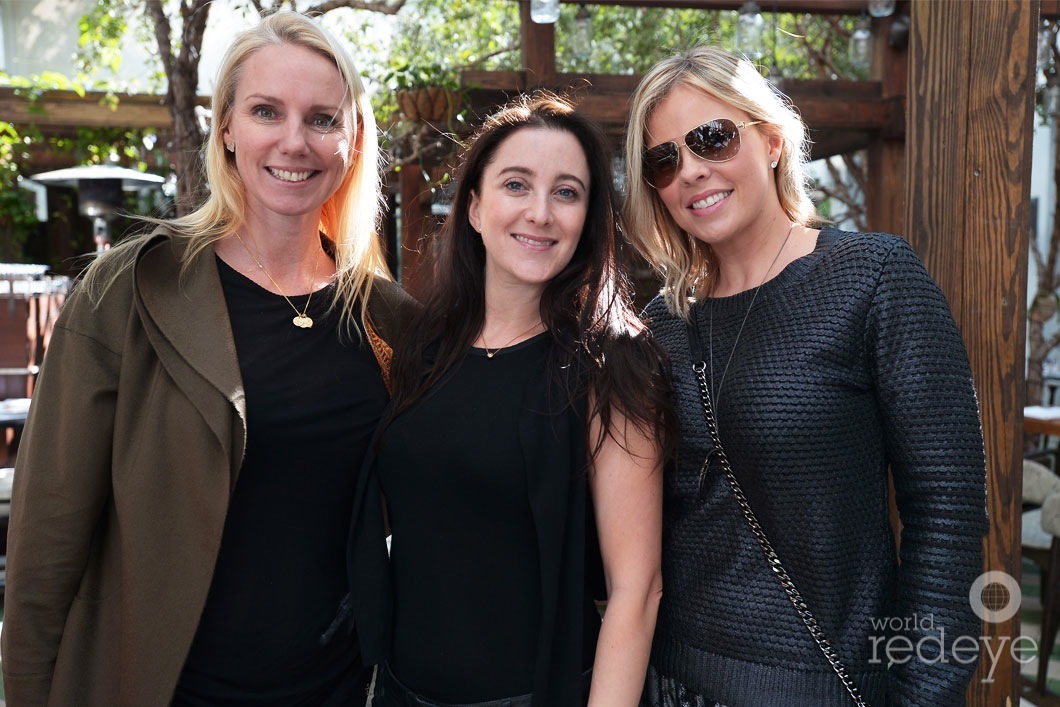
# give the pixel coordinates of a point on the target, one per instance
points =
(186, 320)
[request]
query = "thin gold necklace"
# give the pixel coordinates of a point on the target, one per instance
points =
(754, 296)
(491, 354)
(301, 319)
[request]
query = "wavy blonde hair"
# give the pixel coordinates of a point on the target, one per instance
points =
(349, 218)
(687, 265)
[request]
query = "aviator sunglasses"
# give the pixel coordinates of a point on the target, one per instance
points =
(714, 141)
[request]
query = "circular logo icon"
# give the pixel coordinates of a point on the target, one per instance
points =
(995, 596)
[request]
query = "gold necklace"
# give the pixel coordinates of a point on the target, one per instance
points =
(301, 319)
(754, 296)
(491, 354)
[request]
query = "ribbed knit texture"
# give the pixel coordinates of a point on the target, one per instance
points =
(849, 362)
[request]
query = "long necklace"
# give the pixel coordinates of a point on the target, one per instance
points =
(493, 352)
(710, 339)
(301, 319)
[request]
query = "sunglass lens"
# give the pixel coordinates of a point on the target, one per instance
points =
(716, 141)
(660, 164)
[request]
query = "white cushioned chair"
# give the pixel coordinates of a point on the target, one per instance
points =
(1040, 543)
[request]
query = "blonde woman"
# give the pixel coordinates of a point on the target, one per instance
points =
(184, 486)
(806, 362)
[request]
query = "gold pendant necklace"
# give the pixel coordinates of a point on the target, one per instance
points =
(491, 354)
(301, 319)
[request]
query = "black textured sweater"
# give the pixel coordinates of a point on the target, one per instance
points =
(849, 363)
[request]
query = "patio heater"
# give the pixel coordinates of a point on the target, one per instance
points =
(99, 192)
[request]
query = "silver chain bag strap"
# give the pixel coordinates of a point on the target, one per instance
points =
(799, 603)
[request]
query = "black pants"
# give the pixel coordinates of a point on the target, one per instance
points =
(390, 692)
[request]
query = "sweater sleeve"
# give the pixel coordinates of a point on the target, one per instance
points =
(62, 481)
(935, 451)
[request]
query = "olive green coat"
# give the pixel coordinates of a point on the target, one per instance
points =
(127, 463)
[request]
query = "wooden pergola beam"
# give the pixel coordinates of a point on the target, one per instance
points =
(1050, 9)
(816, 7)
(70, 109)
(538, 43)
(843, 116)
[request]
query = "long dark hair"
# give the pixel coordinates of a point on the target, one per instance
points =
(602, 347)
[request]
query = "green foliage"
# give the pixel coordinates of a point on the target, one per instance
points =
(18, 218)
(33, 87)
(407, 76)
(134, 148)
(432, 40)
(629, 40)
(104, 30)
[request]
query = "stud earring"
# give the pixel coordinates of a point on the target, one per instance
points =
(230, 146)
(773, 164)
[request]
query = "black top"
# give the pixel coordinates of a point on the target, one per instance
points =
(849, 363)
(467, 581)
(313, 401)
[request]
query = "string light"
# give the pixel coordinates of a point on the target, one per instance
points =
(881, 8)
(544, 12)
(750, 28)
(860, 47)
(582, 39)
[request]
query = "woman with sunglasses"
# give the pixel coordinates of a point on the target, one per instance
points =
(805, 363)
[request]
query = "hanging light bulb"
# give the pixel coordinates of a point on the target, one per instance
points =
(881, 8)
(583, 33)
(860, 48)
(544, 12)
(750, 28)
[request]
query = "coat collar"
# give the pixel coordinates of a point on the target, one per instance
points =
(186, 319)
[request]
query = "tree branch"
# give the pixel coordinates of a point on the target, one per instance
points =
(1051, 344)
(164, 39)
(386, 7)
(195, 18)
(426, 145)
(840, 191)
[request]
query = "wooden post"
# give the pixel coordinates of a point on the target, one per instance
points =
(885, 200)
(415, 219)
(971, 91)
(418, 224)
(539, 49)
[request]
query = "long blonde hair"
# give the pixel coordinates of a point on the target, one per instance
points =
(686, 264)
(349, 218)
